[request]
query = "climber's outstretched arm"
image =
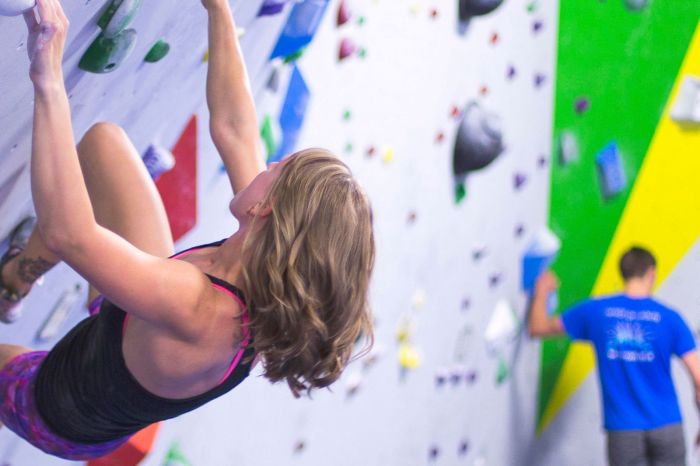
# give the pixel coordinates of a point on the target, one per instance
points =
(233, 123)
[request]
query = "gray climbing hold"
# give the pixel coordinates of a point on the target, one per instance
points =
(479, 140)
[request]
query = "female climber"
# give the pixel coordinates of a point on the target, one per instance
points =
(168, 334)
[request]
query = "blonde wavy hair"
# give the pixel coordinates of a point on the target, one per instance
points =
(307, 273)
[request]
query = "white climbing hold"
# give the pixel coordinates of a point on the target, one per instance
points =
(15, 7)
(686, 108)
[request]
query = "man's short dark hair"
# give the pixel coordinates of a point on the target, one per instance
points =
(636, 262)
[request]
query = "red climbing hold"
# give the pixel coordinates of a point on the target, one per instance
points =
(347, 48)
(494, 38)
(344, 13)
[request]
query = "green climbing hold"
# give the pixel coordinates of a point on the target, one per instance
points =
(294, 56)
(532, 6)
(106, 54)
(267, 134)
(460, 193)
(118, 15)
(159, 50)
(175, 457)
(348, 147)
(361, 21)
(502, 374)
(362, 53)
(347, 115)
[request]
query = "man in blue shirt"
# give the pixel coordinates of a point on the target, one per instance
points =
(634, 337)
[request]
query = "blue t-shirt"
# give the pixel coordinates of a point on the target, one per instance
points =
(634, 340)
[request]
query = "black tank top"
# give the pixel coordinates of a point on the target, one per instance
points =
(85, 393)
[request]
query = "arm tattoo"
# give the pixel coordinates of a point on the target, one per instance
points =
(29, 270)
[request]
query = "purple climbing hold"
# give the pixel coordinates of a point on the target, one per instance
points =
(463, 448)
(346, 49)
(537, 26)
(511, 72)
(519, 230)
(441, 377)
(456, 377)
(582, 105)
(471, 377)
(495, 280)
(540, 79)
(434, 452)
(466, 303)
(272, 7)
(542, 161)
(519, 180)
(478, 253)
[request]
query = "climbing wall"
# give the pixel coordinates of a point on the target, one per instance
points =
(626, 138)
(446, 119)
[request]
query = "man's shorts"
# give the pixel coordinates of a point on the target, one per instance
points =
(664, 446)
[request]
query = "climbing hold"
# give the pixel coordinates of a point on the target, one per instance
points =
(344, 13)
(503, 327)
(542, 161)
(532, 6)
(15, 7)
(511, 72)
(409, 357)
(636, 5)
(440, 137)
(568, 148)
(460, 191)
(495, 280)
(582, 105)
(471, 377)
(361, 21)
(106, 54)
(300, 28)
(175, 457)
(456, 375)
(466, 304)
(159, 50)
(353, 384)
(434, 13)
(270, 133)
(117, 17)
(519, 180)
(503, 372)
(519, 230)
(291, 119)
(371, 150)
(406, 329)
(273, 82)
(467, 9)
(388, 154)
(483, 90)
(494, 38)
(158, 160)
(272, 7)
(479, 252)
(479, 141)
(362, 53)
(348, 147)
(441, 376)
(346, 49)
(537, 26)
(433, 453)
(300, 446)
(463, 448)
(611, 171)
(455, 112)
(412, 216)
(292, 57)
(205, 58)
(686, 108)
(540, 79)
(347, 115)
